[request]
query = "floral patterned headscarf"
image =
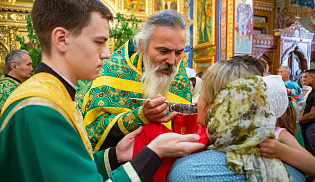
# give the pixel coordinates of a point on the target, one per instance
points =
(239, 120)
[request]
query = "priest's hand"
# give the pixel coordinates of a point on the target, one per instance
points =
(124, 148)
(156, 109)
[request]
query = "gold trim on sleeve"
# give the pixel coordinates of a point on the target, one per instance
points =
(106, 162)
(131, 172)
(40, 101)
(108, 128)
(142, 117)
(94, 113)
(122, 127)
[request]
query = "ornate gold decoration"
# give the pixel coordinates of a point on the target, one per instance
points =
(7, 41)
(135, 6)
(295, 30)
(185, 58)
(264, 40)
(204, 52)
(266, 10)
(230, 28)
(13, 18)
(203, 63)
(264, 47)
(12, 37)
(111, 5)
(264, 6)
(3, 52)
(12, 22)
(223, 28)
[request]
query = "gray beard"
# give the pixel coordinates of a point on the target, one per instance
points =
(155, 82)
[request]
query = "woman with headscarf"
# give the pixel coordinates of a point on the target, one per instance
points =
(195, 83)
(234, 107)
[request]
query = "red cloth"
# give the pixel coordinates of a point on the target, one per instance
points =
(149, 133)
(202, 132)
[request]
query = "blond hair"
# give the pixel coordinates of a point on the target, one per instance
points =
(219, 75)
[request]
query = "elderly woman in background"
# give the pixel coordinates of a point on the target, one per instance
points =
(234, 107)
(195, 83)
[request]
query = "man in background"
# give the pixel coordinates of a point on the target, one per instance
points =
(19, 64)
(307, 119)
(285, 72)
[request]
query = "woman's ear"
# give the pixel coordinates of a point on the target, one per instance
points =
(59, 38)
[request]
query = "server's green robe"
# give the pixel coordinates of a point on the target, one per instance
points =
(42, 138)
(7, 86)
(108, 112)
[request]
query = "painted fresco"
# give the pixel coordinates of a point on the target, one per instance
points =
(204, 30)
(205, 21)
(243, 16)
(136, 6)
(162, 4)
(287, 11)
(308, 3)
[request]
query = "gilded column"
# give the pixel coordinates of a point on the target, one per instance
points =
(3, 43)
(230, 28)
(12, 33)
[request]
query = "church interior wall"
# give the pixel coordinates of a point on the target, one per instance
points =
(264, 17)
(13, 14)
(212, 34)
(12, 23)
(286, 12)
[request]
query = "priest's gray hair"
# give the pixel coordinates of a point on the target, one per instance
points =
(15, 56)
(164, 18)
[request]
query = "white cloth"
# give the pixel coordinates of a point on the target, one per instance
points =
(301, 104)
(307, 88)
(276, 94)
(190, 72)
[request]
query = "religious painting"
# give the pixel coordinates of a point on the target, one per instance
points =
(163, 4)
(308, 3)
(287, 12)
(135, 6)
(204, 22)
(285, 18)
(243, 26)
